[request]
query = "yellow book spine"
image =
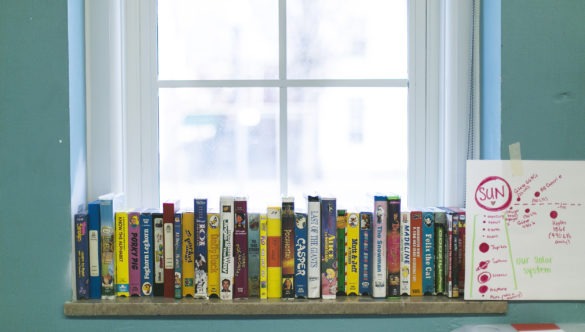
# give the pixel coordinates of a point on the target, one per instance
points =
(213, 254)
(188, 250)
(263, 256)
(352, 255)
(122, 267)
(274, 233)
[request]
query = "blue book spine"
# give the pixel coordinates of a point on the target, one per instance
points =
(178, 244)
(146, 257)
(81, 256)
(254, 254)
(365, 252)
(95, 283)
(428, 239)
(301, 280)
(201, 269)
(329, 248)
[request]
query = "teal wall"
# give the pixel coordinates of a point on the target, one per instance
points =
(41, 151)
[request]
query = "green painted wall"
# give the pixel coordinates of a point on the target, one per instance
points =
(543, 78)
(41, 94)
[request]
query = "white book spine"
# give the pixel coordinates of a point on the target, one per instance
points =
(314, 250)
(226, 238)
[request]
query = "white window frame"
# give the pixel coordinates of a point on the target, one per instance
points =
(122, 101)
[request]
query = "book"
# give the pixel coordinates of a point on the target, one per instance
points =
(226, 238)
(451, 251)
(213, 254)
(134, 253)
(201, 245)
(341, 222)
(109, 203)
(314, 247)
(329, 248)
(352, 254)
(416, 274)
(428, 258)
(147, 252)
(254, 254)
(393, 246)
(95, 280)
(159, 254)
(379, 228)
(287, 247)
(461, 246)
(365, 253)
(169, 210)
(301, 252)
(263, 233)
(122, 268)
(177, 254)
(274, 254)
(440, 236)
(405, 253)
(240, 289)
(81, 255)
(188, 254)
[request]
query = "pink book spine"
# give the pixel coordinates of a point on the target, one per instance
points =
(240, 248)
(134, 252)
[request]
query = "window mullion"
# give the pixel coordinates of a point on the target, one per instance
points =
(282, 118)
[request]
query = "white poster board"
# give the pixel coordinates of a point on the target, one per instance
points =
(525, 232)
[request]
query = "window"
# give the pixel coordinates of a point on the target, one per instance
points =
(271, 97)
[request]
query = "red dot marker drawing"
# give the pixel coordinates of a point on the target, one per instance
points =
(483, 289)
(484, 247)
(554, 214)
(537, 194)
(527, 211)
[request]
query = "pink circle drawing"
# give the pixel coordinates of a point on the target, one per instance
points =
(554, 214)
(484, 277)
(483, 289)
(493, 194)
(484, 247)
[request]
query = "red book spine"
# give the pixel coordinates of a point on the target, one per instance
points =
(169, 209)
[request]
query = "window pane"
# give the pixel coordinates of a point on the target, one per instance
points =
(347, 142)
(219, 39)
(219, 142)
(346, 39)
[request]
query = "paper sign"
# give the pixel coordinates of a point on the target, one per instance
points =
(525, 237)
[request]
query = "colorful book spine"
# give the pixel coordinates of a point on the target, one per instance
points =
(147, 253)
(213, 254)
(329, 269)
(405, 253)
(365, 253)
(461, 255)
(379, 273)
(451, 250)
(428, 242)
(81, 255)
(95, 281)
(440, 236)
(254, 254)
(109, 203)
(263, 232)
(274, 258)
(122, 268)
(287, 247)
(177, 253)
(314, 247)
(169, 210)
(352, 254)
(341, 223)
(301, 253)
(134, 252)
(201, 245)
(416, 274)
(393, 257)
(226, 240)
(159, 254)
(188, 254)
(240, 289)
